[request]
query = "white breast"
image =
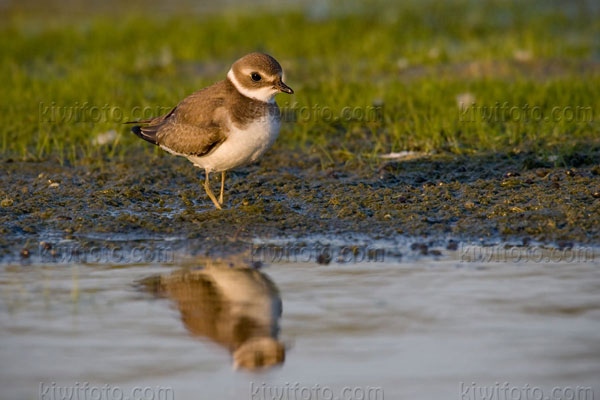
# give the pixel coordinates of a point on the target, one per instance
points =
(242, 146)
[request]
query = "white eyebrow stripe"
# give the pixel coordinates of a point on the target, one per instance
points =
(265, 94)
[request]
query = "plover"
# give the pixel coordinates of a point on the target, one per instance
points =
(231, 123)
(236, 306)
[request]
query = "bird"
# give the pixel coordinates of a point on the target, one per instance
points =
(231, 303)
(223, 126)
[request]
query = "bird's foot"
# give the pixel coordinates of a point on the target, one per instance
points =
(216, 203)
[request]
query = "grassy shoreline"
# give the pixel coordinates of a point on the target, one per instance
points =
(415, 62)
(484, 89)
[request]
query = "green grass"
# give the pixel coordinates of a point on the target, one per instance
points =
(404, 64)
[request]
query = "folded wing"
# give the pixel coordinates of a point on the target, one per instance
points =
(194, 127)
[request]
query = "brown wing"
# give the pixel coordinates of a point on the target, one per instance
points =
(194, 127)
(188, 139)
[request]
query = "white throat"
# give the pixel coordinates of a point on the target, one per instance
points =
(265, 94)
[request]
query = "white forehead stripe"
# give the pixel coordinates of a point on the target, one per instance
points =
(266, 94)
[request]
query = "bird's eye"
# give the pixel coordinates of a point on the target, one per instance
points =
(255, 77)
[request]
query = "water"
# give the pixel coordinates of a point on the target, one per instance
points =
(420, 328)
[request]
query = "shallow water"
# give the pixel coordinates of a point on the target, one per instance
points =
(419, 328)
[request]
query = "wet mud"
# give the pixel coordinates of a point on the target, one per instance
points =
(289, 193)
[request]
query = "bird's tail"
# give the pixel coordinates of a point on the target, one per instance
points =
(148, 133)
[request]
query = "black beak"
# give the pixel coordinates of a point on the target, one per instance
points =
(282, 87)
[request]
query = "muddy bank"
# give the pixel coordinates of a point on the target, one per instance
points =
(147, 197)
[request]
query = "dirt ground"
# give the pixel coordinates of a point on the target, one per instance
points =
(498, 197)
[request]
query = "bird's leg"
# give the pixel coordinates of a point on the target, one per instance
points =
(222, 187)
(209, 192)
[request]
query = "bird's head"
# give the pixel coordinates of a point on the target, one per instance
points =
(258, 76)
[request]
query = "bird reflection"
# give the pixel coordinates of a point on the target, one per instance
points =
(237, 307)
